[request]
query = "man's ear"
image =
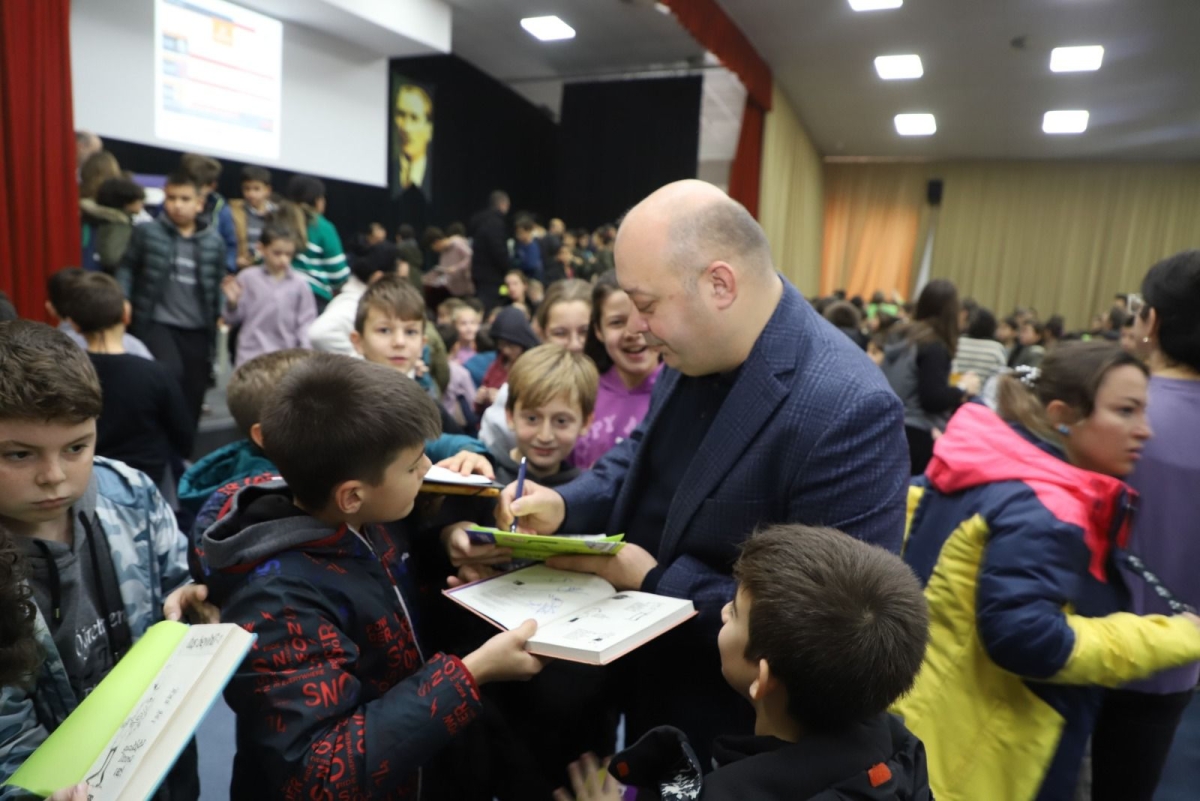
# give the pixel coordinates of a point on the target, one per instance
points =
(356, 341)
(723, 282)
(51, 311)
(347, 497)
(375, 276)
(127, 317)
(256, 434)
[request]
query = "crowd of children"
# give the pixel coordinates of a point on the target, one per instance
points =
(975, 665)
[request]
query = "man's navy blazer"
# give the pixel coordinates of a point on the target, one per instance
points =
(809, 433)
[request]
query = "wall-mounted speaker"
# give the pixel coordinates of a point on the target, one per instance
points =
(933, 192)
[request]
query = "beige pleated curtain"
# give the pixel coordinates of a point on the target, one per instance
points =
(790, 204)
(1061, 237)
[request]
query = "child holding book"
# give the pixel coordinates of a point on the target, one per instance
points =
(551, 397)
(820, 683)
(102, 551)
(338, 697)
(563, 318)
(272, 302)
(628, 368)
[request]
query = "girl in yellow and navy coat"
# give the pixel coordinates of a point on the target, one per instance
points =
(1014, 529)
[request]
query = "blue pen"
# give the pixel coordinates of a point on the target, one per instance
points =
(520, 490)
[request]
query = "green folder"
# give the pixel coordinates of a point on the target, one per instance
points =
(540, 548)
(71, 749)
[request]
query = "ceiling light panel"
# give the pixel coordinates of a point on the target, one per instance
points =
(875, 5)
(899, 68)
(1065, 122)
(548, 29)
(1076, 59)
(916, 124)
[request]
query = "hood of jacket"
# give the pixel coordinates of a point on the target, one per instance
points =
(230, 463)
(263, 522)
(876, 760)
(980, 448)
(96, 213)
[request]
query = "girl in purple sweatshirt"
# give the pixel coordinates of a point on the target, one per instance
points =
(628, 369)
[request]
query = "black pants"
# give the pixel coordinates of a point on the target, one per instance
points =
(920, 448)
(185, 353)
(1130, 743)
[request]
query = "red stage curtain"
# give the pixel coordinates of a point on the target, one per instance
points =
(709, 25)
(746, 170)
(39, 199)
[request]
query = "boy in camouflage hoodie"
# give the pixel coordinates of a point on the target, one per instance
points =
(101, 548)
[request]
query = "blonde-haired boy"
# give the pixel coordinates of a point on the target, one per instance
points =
(551, 398)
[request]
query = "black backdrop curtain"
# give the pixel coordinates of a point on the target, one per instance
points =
(350, 206)
(621, 140)
(485, 137)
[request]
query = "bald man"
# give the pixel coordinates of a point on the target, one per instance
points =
(767, 414)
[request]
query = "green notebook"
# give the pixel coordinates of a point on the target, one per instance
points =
(126, 735)
(541, 548)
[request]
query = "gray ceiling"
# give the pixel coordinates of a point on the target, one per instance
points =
(610, 36)
(988, 97)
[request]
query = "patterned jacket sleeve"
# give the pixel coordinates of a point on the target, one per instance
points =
(170, 544)
(306, 718)
(20, 735)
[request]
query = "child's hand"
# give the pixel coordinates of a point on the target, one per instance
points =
(193, 599)
(463, 552)
(466, 463)
(245, 261)
(469, 573)
(420, 369)
(590, 781)
(503, 657)
(77, 793)
(485, 396)
(232, 289)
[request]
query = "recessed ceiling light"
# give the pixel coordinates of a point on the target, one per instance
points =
(875, 5)
(899, 68)
(662, 8)
(548, 29)
(1065, 122)
(1076, 59)
(915, 124)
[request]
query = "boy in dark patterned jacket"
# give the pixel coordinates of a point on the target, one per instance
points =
(338, 699)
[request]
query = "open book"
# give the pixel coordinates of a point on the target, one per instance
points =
(541, 548)
(124, 737)
(581, 617)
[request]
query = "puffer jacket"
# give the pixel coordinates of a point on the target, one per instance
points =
(1016, 548)
(149, 260)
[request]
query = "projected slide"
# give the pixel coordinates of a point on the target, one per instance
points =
(218, 72)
